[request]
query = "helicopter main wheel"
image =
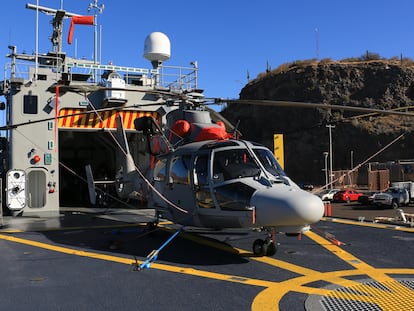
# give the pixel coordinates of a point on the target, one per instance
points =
(264, 248)
(259, 248)
(271, 249)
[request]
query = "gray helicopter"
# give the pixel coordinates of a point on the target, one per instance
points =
(167, 146)
(233, 184)
(205, 177)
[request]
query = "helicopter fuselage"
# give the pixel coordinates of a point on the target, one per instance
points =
(231, 184)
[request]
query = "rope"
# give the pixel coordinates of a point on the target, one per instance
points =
(362, 163)
(117, 143)
(149, 184)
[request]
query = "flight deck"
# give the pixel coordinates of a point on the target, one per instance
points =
(79, 132)
(88, 258)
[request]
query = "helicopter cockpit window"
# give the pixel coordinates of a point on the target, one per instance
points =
(234, 196)
(201, 170)
(160, 171)
(180, 169)
(269, 162)
(233, 164)
(202, 191)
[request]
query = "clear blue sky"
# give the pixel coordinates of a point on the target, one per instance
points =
(228, 38)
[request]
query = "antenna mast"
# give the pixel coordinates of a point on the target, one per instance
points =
(98, 9)
(57, 23)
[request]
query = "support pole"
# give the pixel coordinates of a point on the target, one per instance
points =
(330, 127)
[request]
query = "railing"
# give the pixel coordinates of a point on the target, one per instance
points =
(183, 78)
(171, 77)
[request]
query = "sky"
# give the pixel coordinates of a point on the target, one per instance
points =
(229, 39)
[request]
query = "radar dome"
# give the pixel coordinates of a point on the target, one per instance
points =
(157, 47)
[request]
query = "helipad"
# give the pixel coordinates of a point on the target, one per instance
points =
(84, 260)
(366, 294)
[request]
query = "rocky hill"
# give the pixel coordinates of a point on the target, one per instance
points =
(382, 84)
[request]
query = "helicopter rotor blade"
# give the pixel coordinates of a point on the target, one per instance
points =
(128, 161)
(292, 104)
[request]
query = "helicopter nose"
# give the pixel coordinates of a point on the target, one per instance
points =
(286, 206)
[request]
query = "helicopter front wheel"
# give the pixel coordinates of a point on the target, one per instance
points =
(264, 248)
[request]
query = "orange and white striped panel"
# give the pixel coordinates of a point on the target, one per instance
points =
(83, 119)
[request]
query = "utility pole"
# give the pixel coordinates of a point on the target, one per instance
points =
(330, 127)
(352, 159)
(325, 154)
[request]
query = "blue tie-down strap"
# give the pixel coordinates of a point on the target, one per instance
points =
(152, 257)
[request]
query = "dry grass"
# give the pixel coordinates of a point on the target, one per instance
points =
(365, 58)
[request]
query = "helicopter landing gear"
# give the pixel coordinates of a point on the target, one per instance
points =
(266, 247)
(151, 226)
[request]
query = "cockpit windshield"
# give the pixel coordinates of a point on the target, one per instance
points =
(269, 162)
(233, 164)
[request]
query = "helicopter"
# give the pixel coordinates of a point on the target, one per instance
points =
(205, 176)
(162, 144)
(214, 180)
(156, 141)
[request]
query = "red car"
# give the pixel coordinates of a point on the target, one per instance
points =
(346, 196)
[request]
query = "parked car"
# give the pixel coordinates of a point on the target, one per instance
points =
(327, 194)
(392, 198)
(366, 198)
(409, 185)
(346, 196)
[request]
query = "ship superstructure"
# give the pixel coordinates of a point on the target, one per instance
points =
(61, 117)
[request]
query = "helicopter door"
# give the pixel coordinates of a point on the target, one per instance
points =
(179, 190)
(201, 182)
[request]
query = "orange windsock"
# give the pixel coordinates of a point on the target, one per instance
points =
(82, 20)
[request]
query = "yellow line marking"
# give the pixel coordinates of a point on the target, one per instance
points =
(270, 297)
(316, 275)
(349, 258)
(396, 291)
(277, 262)
(81, 228)
(65, 250)
(128, 261)
(369, 224)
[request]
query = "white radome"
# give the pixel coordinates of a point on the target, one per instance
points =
(157, 47)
